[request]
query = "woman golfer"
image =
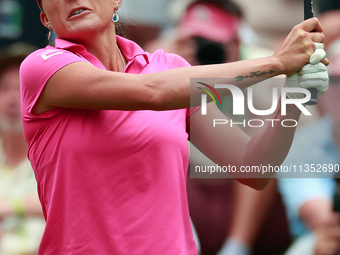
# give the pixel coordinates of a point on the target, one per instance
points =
(107, 127)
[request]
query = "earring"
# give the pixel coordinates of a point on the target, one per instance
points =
(49, 34)
(115, 17)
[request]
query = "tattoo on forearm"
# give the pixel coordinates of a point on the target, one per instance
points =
(254, 74)
(289, 109)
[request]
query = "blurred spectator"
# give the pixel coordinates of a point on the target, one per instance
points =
(205, 34)
(309, 201)
(19, 21)
(21, 218)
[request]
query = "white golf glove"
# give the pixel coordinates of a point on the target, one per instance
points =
(312, 75)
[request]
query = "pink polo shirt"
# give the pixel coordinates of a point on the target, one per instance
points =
(110, 182)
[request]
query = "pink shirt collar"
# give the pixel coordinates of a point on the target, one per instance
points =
(130, 50)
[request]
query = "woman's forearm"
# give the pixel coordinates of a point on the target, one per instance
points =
(172, 83)
(270, 146)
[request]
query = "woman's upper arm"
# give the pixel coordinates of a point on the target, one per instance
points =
(81, 85)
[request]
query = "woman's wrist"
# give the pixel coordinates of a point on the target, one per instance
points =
(277, 65)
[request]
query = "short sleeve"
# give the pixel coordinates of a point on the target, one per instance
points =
(175, 61)
(35, 71)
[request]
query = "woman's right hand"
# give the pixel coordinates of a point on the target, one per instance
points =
(299, 46)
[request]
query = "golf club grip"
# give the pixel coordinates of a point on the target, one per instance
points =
(309, 13)
(308, 8)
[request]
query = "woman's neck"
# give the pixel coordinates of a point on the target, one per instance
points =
(104, 47)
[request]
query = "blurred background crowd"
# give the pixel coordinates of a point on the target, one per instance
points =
(292, 216)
